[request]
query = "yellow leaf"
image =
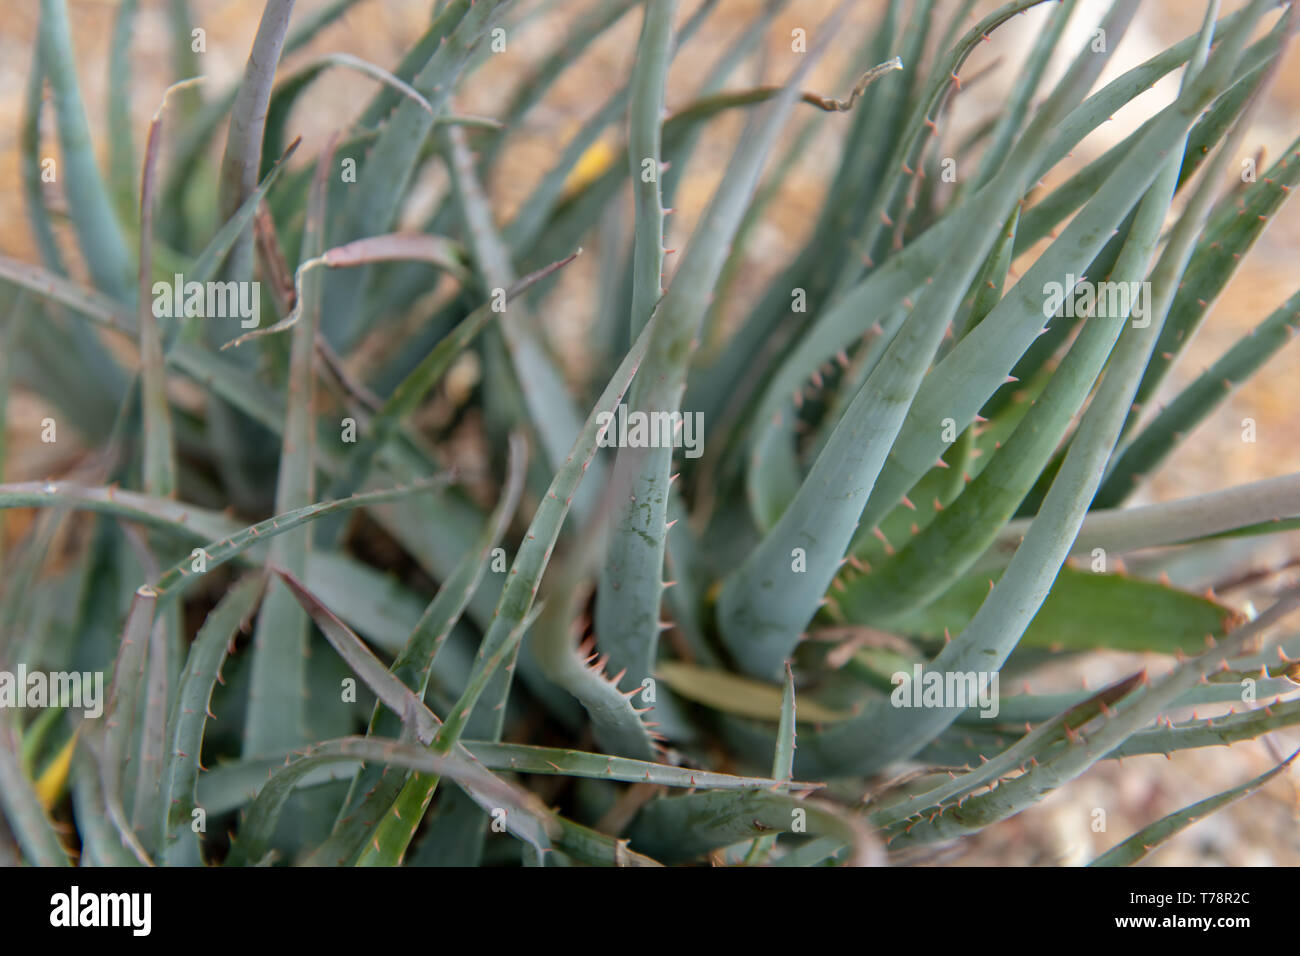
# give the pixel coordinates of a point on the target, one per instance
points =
(50, 784)
(738, 695)
(593, 164)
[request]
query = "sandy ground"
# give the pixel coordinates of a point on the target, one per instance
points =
(1262, 830)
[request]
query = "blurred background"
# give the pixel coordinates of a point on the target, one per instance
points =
(1261, 831)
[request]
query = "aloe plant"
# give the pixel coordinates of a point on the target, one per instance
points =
(764, 590)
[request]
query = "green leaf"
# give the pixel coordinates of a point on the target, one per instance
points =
(959, 533)
(677, 829)
(121, 150)
(98, 232)
(1137, 846)
(525, 817)
(782, 763)
(627, 609)
(278, 691)
(27, 820)
(373, 202)
(1198, 400)
(128, 675)
(159, 453)
(1117, 724)
(219, 551)
(1085, 611)
(242, 158)
(534, 553)
(190, 711)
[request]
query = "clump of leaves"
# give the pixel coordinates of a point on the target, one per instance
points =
(865, 497)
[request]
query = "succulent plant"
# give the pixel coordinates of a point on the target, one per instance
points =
(754, 584)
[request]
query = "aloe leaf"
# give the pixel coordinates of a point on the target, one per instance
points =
(1010, 119)
(374, 604)
(996, 628)
(544, 204)
(374, 789)
(1084, 610)
(228, 786)
(597, 849)
(26, 817)
(1211, 731)
(1198, 400)
(159, 452)
(277, 693)
(1007, 762)
(146, 816)
(286, 92)
(616, 724)
(121, 150)
(30, 141)
(385, 173)
(924, 257)
(386, 100)
(677, 829)
(738, 695)
(153, 512)
(242, 158)
(814, 348)
(990, 350)
(590, 25)
(217, 552)
(523, 812)
(1116, 725)
(1229, 237)
(627, 609)
(523, 758)
(190, 711)
(685, 564)
(100, 844)
(128, 674)
(534, 553)
(391, 691)
(185, 60)
(782, 763)
(645, 118)
(395, 831)
(95, 305)
(628, 618)
(550, 410)
(1256, 507)
(820, 851)
(959, 533)
(1150, 837)
(373, 202)
(98, 232)
(237, 224)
